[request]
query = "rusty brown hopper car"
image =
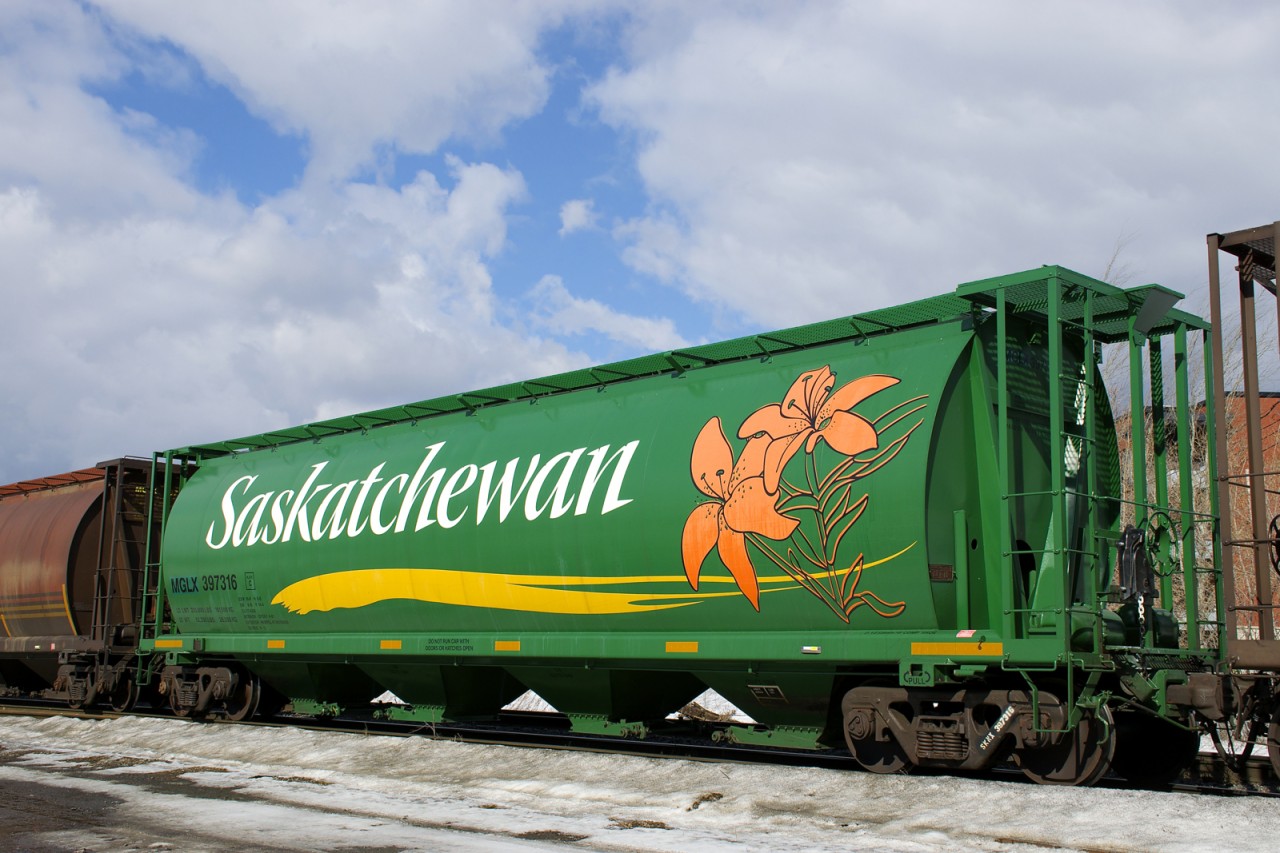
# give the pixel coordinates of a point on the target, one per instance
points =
(71, 554)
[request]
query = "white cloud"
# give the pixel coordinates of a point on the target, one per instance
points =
(353, 76)
(562, 313)
(142, 314)
(165, 330)
(87, 160)
(577, 214)
(806, 160)
(801, 161)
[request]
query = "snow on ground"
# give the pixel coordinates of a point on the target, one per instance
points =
(207, 787)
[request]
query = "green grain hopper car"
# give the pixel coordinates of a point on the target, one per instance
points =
(906, 531)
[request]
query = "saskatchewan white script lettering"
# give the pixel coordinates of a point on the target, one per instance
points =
(390, 503)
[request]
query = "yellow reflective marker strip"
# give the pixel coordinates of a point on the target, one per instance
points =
(994, 650)
(39, 605)
(677, 647)
(38, 611)
(71, 623)
(275, 644)
(168, 644)
(6, 625)
(506, 645)
(393, 645)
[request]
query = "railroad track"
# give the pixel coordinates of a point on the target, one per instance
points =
(690, 740)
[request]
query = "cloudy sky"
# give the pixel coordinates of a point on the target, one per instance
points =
(222, 218)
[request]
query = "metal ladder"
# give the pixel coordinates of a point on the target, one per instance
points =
(121, 551)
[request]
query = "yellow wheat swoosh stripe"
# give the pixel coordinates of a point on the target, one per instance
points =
(362, 587)
(529, 593)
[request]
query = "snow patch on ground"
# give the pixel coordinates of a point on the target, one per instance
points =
(293, 789)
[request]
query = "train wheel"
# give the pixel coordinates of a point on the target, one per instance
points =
(125, 694)
(1082, 757)
(1273, 741)
(885, 756)
(243, 703)
(1152, 752)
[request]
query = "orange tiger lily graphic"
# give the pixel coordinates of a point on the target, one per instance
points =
(810, 412)
(739, 505)
(752, 507)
